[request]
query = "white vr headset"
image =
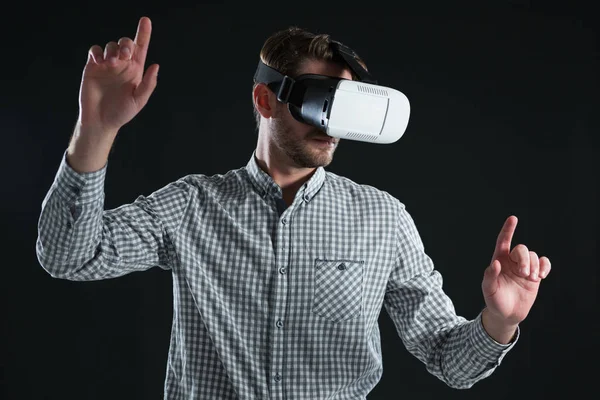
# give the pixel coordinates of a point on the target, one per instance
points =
(357, 110)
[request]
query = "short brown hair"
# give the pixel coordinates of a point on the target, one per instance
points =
(285, 50)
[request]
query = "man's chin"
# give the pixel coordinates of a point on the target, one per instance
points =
(321, 158)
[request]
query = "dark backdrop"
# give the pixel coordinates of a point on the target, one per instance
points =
(504, 121)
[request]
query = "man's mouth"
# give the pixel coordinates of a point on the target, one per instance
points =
(327, 139)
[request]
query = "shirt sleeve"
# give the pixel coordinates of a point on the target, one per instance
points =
(79, 240)
(456, 350)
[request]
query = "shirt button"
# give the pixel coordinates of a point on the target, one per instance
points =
(277, 377)
(284, 221)
(279, 323)
(305, 197)
(282, 270)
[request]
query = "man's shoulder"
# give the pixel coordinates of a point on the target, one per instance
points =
(344, 186)
(204, 180)
(204, 184)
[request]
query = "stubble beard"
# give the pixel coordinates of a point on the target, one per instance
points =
(300, 151)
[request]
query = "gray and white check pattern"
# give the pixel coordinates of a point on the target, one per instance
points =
(270, 302)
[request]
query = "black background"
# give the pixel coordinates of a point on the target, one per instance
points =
(504, 121)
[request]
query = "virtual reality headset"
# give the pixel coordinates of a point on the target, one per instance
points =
(348, 109)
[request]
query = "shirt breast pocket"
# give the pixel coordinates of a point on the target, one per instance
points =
(338, 289)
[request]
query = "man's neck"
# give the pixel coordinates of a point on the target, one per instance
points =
(289, 178)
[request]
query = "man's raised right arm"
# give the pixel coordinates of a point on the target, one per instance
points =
(77, 239)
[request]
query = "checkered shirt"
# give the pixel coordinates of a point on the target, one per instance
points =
(270, 302)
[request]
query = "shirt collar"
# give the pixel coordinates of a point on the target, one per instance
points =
(267, 186)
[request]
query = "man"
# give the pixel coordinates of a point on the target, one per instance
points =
(280, 269)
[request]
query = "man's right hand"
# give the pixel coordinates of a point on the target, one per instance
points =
(114, 87)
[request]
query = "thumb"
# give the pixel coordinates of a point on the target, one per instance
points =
(146, 87)
(494, 269)
(490, 278)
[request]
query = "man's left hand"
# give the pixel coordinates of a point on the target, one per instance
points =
(511, 282)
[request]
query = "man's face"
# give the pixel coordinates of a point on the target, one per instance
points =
(304, 145)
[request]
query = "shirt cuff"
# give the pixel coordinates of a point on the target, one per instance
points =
(485, 346)
(79, 187)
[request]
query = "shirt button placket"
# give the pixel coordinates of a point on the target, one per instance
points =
(283, 236)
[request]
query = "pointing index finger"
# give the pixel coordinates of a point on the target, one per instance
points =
(505, 236)
(142, 39)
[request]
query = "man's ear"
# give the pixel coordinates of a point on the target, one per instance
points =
(264, 100)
